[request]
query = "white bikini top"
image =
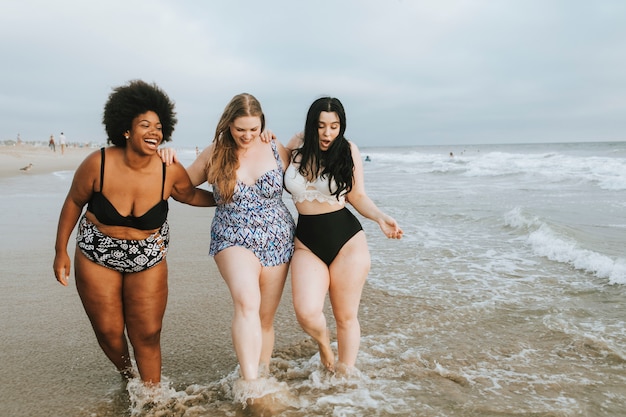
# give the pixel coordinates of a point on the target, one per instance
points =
(301, 189)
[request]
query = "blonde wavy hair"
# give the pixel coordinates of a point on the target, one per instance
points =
(222, 168)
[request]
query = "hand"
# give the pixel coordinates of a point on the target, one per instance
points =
(390, 228)
(168, 155)
(267, 135)
(296, 141)
(61, 268)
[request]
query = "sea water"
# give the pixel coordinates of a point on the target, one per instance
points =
(506, 296)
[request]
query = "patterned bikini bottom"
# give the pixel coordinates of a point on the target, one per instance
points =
(122, 255)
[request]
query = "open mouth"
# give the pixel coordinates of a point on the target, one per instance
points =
(152, 142)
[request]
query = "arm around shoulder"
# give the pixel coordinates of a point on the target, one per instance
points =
(184, 191)
(295, 142)
(197, 169)
(285, 154)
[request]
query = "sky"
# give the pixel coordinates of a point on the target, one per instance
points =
(409, 72)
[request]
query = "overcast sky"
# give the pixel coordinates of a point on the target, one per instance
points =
(409, 72)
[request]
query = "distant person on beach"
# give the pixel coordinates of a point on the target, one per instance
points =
(62, 142)
(331, 254)
(19, 139)
(51, 144)
(122, 239)
(252, 229)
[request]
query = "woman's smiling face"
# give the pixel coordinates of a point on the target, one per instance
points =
(146, 130)
(245, 130)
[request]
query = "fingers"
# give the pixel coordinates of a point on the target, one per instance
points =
(394, 231)
(397, 234)
(267, 135)
(62, 276)
(168, 155)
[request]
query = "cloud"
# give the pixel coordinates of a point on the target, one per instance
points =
(408, 72)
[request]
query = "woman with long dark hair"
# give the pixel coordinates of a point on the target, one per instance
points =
(331, 254)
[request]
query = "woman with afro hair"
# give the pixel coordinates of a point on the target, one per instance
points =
(120, 262)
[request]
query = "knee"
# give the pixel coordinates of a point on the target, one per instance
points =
(306, 317)
(146, 336)
(267, 323)
(109, 334)
(152, 338)
(247, 307)
(148, 339)
(267, 320)
(347, 321)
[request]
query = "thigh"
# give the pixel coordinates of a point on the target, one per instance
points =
(241, 270)
(100, 290)
(348, 273)
(271, 284)
(145, 298)
(309, 278)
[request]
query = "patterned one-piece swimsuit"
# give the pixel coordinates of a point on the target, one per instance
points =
(256, 218)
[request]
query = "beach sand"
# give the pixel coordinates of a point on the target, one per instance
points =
(44, 160)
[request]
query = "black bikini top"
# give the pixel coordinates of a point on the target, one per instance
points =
(107, 214)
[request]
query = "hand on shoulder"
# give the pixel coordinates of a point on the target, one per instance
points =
(267, 136)
(296, 141)
(168, 155)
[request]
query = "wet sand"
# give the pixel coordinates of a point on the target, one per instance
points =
(47, 328)
(44, 160)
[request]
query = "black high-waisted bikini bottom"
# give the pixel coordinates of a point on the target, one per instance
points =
(325, 234)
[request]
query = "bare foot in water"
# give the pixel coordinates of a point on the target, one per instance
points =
(128, 374)
(344, 371)
(327, 357)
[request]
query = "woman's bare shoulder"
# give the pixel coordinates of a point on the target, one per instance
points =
(91, 161)
(354, 149)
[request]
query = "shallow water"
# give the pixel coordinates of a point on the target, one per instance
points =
(506, 297)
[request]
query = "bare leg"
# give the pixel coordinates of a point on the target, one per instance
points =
(348, 273)
(145, 299)
(272, 283)
(241, 271)
(100, 290)
(309, 283)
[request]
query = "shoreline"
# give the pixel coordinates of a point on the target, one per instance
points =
(42, 158)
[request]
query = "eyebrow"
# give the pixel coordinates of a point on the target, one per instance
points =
(148, 121)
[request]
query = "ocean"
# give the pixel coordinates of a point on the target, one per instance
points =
(505, 297)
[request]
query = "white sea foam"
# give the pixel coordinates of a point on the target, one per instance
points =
(547, 243)
(606, 172)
